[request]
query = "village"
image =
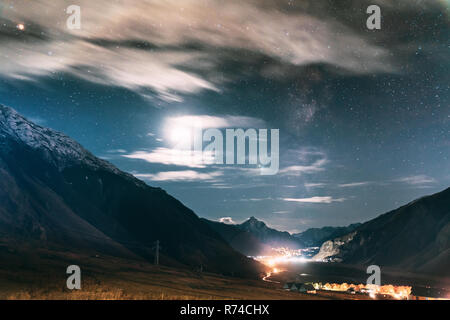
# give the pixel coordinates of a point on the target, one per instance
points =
(294, 271)
(366, 292)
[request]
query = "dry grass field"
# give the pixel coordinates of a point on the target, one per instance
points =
(42, 275)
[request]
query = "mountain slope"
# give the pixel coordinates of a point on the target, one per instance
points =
(253, 237)
(242, 241)
(268, 235)
(53, 191)
(414, 237)
(315, 237)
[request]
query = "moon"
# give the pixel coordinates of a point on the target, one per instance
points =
(180, 135)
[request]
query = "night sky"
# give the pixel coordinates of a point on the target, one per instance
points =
(364, 115)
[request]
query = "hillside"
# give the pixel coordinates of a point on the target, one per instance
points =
(414, 237)
(253, 237)
(53, 192)
(315, 237)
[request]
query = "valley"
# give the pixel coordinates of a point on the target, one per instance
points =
(41, 274)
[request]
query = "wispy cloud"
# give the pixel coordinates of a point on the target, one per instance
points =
(314, 185)
(255, 199)
(117, 151)
(326, 199)
(184, 175)
(167, 156)
(355, 184)
(219, 186)
(417, 180)
(297, 170)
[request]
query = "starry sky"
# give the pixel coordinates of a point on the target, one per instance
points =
(364, 115)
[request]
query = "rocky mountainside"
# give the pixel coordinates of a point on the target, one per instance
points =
(53, 192)
(268, 235)
(413, 237)
(315, 237)
(330, 250)
(253, 237)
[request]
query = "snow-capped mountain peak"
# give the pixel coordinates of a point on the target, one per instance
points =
(57, 148)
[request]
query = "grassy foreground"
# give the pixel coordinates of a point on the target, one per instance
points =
(42, 275)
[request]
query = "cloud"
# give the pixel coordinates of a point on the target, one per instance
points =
(354, 184)
(117, 151)
(315, 200)
(219, 186)
(168, 156)
(173, 48)
(314, 185)
(255, 199)
(418, 180)
(317, 160)
(132, 69)
(185, 175)
(298, 170)
(227, 220)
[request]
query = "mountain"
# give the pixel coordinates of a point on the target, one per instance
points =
(415, 237)
(53, 192)
(315, 237)
(253, 237)
(268, 235)
(331, 249)
(242, 241)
